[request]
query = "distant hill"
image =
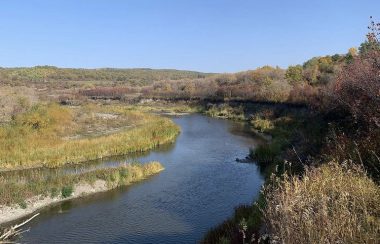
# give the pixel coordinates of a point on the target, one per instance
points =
(137, 76)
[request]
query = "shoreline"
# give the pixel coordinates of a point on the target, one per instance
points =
(15, 212)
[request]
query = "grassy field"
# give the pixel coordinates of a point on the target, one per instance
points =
(51, 135)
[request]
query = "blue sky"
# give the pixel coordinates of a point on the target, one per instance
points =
(203, 35)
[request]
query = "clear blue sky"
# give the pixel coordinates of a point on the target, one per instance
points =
(203, 35)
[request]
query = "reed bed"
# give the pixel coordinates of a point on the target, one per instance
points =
(329, 204)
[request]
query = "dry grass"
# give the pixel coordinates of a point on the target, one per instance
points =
(330, 204)
(225, 111)
(15, 99)
(262, 124)
(51, 135)
(19, 188)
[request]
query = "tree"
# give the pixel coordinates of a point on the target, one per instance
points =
(372, 43)
(353, 51)
(366, 47)
(294, 74)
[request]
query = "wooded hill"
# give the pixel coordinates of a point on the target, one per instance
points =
(141, 76)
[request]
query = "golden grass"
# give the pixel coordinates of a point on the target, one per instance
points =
(330, 204)
(261, 124)
(39, 136)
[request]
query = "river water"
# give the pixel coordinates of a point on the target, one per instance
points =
(199, 188)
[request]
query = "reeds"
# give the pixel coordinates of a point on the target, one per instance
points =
(329, 204)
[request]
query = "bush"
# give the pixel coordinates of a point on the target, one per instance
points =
(226, 111)
(265, 154)
(23, 204)
(248, 217)
(330, 204)
(54, 192)
(67, 191)
(262, 125)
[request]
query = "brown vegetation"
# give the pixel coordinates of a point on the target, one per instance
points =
(329, 204)
(323, 203)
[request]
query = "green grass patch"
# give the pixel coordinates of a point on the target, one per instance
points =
(67, 191)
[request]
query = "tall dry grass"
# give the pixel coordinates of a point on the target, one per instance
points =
(329, 204)
(38, 137)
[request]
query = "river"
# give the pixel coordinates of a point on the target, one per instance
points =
(199, 188)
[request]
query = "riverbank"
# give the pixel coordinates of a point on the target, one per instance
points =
(306, 151)
(14, 212)
(20, 197)
(284, 128)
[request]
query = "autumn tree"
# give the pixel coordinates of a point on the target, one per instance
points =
(372, 42)
(294, 74)
(356, 93)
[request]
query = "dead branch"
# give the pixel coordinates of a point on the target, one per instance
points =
(14, 231)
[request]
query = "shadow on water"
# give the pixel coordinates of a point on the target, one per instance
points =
(198, 189)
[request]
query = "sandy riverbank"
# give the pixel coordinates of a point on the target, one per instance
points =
(15, 211)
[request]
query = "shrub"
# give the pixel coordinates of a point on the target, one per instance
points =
(330, 204)
(246, 217)
(226, 111)
(262, 125)
(123, 173)
(352, 109)
(67, 191)
(54, 192)
(265, 154)
(23, 204)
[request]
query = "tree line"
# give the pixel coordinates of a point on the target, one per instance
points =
(51, 74)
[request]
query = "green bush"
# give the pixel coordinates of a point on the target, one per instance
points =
(54, 192)
(67, 191)
(123, 173)
(23, 204)
(266, 153)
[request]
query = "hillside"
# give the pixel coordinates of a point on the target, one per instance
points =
(51, 74)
